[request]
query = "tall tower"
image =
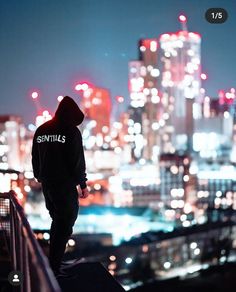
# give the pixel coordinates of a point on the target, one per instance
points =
(144, 97)
(96, 105)
(148, 55)
(180, 84)
(136, 108)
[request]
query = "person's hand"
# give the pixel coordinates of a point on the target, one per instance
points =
(84, 193)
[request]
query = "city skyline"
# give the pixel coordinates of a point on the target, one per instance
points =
(32, 46)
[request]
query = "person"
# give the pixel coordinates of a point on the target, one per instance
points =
(59, 164)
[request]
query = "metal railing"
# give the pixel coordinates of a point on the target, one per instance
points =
(25, 252)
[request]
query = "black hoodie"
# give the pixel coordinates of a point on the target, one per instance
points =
(57, 152)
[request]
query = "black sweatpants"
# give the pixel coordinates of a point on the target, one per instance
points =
(62, 203)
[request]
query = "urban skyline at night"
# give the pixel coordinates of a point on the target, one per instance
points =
(52, 63)
(155, 160)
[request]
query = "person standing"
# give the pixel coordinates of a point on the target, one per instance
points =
(59, 165)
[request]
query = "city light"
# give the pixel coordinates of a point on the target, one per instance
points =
(120, 99)
(128, 260)
(167, 265)
(203, 76)
(46, 236)
(82, 86)
(35, 94)
(112, 258)
(71, 242)
(60, 98)
(160, 159)
(182, 18)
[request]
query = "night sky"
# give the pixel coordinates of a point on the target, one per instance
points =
(49, 45)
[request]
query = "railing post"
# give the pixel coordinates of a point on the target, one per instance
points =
(13, 235)
(26, 254)
(26, 273)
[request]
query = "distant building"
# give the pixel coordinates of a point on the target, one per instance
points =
(13, 154)
(11, 131)
(212, 135)
(143, 110)
(177, 184)
(137, 72)
(96, 104)
(136, 185)
(180, 85)
(148, 54)
(136, 108)
(216, 187)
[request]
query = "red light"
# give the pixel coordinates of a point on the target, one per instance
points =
(203, 76)
(120, 99)
(182, 18)
(34, 94)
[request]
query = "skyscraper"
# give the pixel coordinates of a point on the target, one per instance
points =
(96, 104)
(148, 55)
(136, 108)
(180, 85)
(144, 96)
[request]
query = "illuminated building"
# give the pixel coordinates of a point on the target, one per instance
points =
(227, 109)
(136, 84)
(216, 106)
(144, 98)
(177, 184)
(96, 105)
(11, 131)
(227, 98)
(135, 185)
(12, 135)
(148, 55)
(180, 86)
(212, 135)
(136, 108)
(122, 126)
(26, 148)
(216, 187)
(135, 136)
(42, 118)
(166, 83)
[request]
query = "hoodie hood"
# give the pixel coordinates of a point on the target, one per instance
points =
(69, 112)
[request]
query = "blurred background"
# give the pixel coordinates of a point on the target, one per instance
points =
(156, 82)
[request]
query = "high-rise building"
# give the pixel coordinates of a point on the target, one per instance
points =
(10, 142)
(136, 108)
(96, 105)
(136, 84)
(148, 55)
(144, 98)
(180, 85)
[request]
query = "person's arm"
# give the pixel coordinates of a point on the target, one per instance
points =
(77, 160)
(35, 159)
